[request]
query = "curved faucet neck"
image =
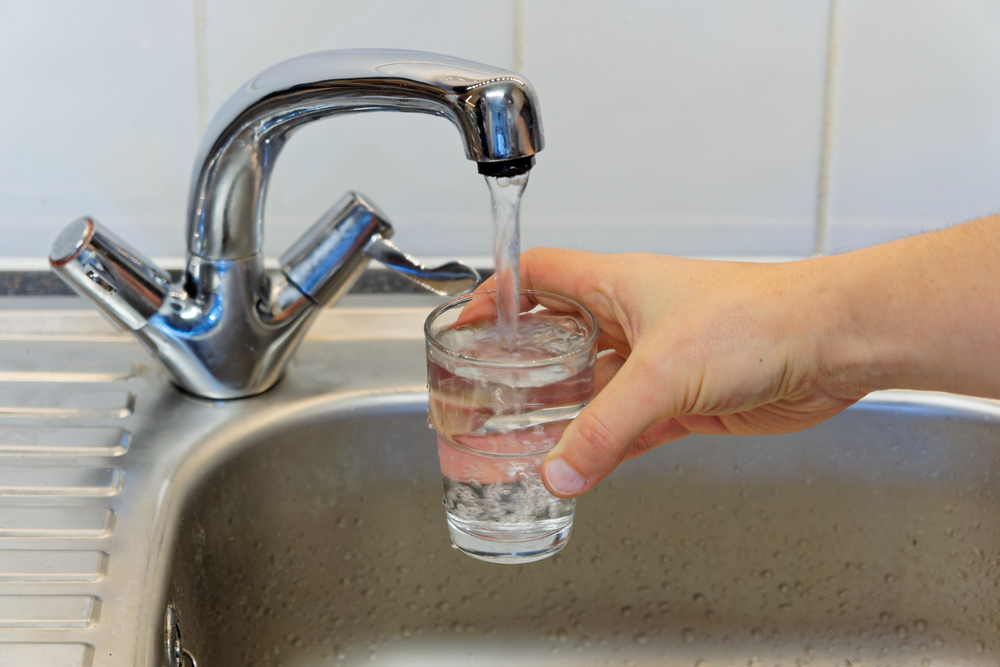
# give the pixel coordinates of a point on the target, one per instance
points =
(495, 111)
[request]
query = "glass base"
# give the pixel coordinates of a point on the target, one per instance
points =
(510, 543)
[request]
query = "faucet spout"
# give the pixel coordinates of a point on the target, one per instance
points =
(494, 109)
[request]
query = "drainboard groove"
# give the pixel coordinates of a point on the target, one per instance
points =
(45, 655)
(52, 566)
(54, 401)
(44, 376)
(54, 481)
(48, 612)
(78, 442)
(57, 522)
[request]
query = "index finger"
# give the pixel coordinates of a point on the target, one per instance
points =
(568, 273)
(587, 278)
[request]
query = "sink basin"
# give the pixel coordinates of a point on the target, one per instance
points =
(319, 539)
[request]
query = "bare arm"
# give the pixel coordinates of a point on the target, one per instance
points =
(920, 313)
(752, 349)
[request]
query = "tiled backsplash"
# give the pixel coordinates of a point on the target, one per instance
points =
(916, 122)
(683, 127)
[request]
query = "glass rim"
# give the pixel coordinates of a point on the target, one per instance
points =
(586, 345)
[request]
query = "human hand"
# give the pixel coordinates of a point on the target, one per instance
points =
(694, 347)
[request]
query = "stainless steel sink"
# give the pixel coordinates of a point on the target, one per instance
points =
(304, 527)
(870, 540)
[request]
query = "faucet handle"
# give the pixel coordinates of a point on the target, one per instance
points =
(126, 286)
(330, 257)
(451, 279)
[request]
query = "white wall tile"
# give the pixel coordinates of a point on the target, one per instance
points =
(680, 127)
(917, 124)
(99, 117)
(413, 166)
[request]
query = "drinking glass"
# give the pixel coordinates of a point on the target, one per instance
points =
(499, 403)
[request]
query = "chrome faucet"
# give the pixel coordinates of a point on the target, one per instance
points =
(228, 327)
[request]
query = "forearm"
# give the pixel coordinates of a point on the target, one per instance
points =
(919, 313)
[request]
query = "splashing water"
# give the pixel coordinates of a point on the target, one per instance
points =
(505, 194)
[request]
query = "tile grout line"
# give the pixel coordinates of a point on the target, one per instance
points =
(826, 145)
(518, 64)
(201, 60)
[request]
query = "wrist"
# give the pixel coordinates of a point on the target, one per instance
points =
(839, 296)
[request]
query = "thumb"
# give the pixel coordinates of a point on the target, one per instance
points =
(600, 437)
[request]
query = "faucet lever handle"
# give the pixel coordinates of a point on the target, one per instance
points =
(330, 257)
(451, 279)
(126, 286)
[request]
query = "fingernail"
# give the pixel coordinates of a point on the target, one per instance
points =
(562, 478)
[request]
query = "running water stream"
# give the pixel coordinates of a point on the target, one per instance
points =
(505, 194)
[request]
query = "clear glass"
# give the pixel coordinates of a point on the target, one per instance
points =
(498, 406)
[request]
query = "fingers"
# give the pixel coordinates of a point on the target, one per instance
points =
(605, 369)
(570, 273)
(554, 270)
(480, 309)
(661, 433)
(602, 436)
(581, 276)
(657, 435)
